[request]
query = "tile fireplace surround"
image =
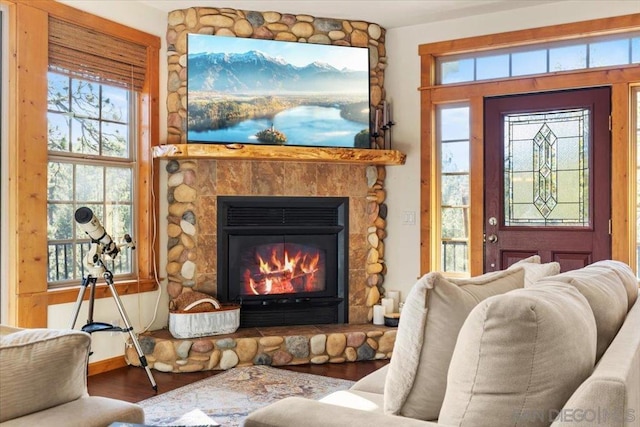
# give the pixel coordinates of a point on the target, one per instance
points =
(193, 185)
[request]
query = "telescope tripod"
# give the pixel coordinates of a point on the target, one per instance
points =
(92, 326)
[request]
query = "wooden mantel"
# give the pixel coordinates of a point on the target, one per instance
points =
(277, 152)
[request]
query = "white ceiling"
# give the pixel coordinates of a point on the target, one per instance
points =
(387, 13)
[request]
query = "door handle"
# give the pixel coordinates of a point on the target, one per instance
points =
(492, 238)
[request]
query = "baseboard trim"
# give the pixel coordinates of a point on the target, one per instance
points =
(106, 365)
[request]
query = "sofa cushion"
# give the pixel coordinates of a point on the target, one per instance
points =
(607, 297)
(519, 355)
(24, 386)
(534, 270)
(625, 274)
(432, 316)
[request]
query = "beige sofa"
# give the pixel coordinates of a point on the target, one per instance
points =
(529, 348)
(43, 382)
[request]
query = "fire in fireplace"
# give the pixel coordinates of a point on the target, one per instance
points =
(284, 259)
(282, 268)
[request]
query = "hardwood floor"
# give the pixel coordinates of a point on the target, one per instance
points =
(132, 384)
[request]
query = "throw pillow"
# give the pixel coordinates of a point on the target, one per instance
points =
(519, 357)
(432, 316)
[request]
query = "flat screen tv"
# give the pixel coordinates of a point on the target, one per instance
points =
(255, 91)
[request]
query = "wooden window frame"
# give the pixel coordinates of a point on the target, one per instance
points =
(29, 297)
(620, 78)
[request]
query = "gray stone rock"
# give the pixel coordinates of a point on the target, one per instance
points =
(382, 213)
(170, 195)
(255, 18)
(190, 217)
(172, 241)
(226, 343)
(182, 351)
(326, 25)
(172, 166)
(298, 346)
(262, 359)
(365, 352)
(147, 344)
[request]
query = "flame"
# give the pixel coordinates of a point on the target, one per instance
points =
(289, 273)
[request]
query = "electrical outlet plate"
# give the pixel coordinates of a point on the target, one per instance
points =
(409, 218)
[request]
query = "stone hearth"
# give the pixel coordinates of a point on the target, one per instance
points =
(273, 346)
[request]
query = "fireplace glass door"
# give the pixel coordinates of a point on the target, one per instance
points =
(281, 266)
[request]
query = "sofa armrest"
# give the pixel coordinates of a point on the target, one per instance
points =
(374, 382)
(298, 411)
(41, 368)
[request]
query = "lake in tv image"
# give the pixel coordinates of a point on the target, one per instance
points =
(255, 91)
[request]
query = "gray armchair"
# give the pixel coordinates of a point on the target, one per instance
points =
(43, 382)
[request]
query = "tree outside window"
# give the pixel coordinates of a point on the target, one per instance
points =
(91, 164)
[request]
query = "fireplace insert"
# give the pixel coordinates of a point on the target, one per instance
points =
(284, 259)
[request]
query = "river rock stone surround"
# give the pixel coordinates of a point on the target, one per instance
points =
(193, 185)
(311, 345)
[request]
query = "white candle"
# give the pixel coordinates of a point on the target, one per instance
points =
(378, 315)
(385, 113)
(395, 296)
(387, 303)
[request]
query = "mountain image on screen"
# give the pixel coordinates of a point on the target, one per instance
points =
(255, 72)
(254, 91)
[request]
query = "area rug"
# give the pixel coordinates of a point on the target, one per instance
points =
(230, 396)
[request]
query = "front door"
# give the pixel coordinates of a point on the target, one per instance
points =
(547, 178)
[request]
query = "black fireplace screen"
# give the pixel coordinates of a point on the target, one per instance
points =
(282, 265)
(284, 259)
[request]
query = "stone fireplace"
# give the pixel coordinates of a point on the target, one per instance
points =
(195, 185)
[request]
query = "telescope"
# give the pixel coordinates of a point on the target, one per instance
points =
(102, 243)
(90, 224)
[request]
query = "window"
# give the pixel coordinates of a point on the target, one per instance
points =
(453, 141)
(95, 83)
(91, 135)
(540, 58)
(83, 48)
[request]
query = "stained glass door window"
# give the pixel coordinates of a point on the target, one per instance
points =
(546, 169)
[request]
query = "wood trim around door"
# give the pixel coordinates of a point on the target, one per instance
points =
(620, 78)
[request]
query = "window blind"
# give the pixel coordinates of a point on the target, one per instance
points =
(91, 55)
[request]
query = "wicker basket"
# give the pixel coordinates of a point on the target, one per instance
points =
(224, 319)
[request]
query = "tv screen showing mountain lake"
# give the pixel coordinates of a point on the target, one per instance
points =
(254, 91)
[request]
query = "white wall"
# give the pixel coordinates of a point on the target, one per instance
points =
(402, 78)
